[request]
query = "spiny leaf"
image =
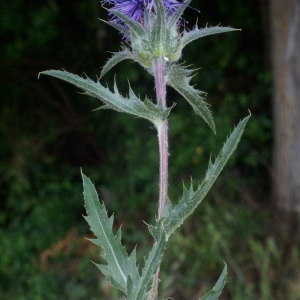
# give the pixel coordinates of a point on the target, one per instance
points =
(215, 293)
(119, 265)
(191, 199)
(179, 77)
(196, 33)
(141, 290)
(115, 59)
(155, 113)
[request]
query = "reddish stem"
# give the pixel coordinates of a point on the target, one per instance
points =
(160, 86)
(159, 66)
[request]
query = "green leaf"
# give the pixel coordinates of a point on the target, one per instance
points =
(141, 290)
(215, 293)
(119, 266)
(132, 268)
(155, 113)
(191, 199)
(196, 33)
(115, 59)
(179, 77)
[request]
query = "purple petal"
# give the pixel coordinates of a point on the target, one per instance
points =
(135, 8)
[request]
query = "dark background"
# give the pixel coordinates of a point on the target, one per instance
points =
(49, 131)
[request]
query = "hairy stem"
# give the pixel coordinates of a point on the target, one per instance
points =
(159, 66)
(160, 86)
(163, 158)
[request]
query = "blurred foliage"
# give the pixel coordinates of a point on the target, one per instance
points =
(48, 131)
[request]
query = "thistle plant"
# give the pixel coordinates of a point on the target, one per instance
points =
(154, 37)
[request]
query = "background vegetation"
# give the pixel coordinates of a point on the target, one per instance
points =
(48, 131)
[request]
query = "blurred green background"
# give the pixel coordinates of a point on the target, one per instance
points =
(48, 131)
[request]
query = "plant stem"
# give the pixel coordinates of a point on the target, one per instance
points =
(160, 86)
(159, 66)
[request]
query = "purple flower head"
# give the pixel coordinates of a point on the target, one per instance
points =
(134, 9)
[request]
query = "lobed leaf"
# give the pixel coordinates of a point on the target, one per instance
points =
(119, 266)
(179, 77)
(191, 199)
(216, 291)
(155, 113)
